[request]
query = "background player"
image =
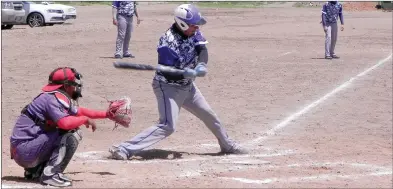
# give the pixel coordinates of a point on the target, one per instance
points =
(330, 11)
(123, 14)
(46, 134)
(182, 46)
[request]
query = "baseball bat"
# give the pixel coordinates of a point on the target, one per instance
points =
(145, 67)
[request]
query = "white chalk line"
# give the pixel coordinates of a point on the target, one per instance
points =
(304, 178)
(294, 116)
(374, 169)
(97, 156)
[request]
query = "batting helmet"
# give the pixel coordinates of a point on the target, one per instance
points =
(188, 14)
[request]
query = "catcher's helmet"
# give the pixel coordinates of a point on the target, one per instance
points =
(64, 76)
(188, 14)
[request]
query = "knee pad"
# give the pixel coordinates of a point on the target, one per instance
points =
(66, 150)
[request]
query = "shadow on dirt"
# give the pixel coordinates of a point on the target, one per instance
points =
(36, 181)
(113, 57)
(107, 57)
(167, 154)
(13, 29)
(97, 173)
(18, 179)
(103, 173)
(321, 58)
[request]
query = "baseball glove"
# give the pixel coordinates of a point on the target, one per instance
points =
(120, 111)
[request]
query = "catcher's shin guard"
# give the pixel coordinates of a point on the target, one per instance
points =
(68, 145)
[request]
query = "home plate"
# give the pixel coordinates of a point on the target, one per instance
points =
(244, 162)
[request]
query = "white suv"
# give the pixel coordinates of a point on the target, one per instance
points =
(34, 14)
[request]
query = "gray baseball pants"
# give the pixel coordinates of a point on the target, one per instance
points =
(330, 38)
(124, 30)
(170, 99)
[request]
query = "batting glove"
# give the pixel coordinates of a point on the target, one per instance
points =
(189, 73)
(201, 69)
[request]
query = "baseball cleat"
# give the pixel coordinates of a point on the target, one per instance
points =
(117, 154)
(63, 177)
(328, 57)
(118, 56)
(128, 55)
(236, 150)
(335, 57)
(54, 180)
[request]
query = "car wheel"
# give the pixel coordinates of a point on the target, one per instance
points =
(6, 27)
(35, 20)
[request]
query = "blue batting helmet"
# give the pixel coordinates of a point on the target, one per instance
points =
(188, 14)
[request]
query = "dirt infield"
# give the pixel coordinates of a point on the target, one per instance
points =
(310, 122)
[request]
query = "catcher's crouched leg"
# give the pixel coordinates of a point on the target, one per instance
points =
(53, 172)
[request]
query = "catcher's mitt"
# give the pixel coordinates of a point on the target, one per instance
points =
(120, 112)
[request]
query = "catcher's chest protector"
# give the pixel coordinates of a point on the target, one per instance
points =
(63, 99)
(66, 101)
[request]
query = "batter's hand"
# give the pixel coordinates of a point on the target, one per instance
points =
(114, 22)
(189, 73)
(201, 69)
(91, 123)
(342, 27)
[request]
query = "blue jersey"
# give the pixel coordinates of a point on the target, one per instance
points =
(332, 11)
(126, 8)
(178, 51)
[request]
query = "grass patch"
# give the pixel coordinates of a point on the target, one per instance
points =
(308, 5)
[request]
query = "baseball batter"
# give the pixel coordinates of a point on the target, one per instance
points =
(330, 12)
(182, 46)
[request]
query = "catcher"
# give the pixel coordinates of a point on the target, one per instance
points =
(46, 134)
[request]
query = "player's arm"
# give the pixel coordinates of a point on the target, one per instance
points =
(57, 113)
(136, 10)
(202, 53)
(93, 114)
(340, 14)
(324, 15)
(115, 6)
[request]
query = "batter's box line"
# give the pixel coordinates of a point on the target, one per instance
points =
(97, 157)
(305, 178)
(374, 169)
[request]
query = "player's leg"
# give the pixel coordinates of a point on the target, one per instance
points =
(59, 160)
(32, 155)
(121, 33)
(334, 31)
(197, 105)
(127, 38)
(328, 39)
(170, 99)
